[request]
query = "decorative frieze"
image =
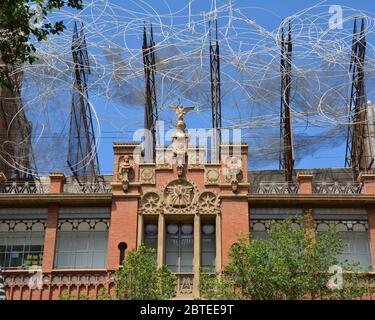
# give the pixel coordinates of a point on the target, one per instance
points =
(180, 196)
(22, 225)
(83, 225)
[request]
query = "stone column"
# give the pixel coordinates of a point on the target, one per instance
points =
(161, 240)
(197, 254)
(50, 238)
(140, 230)
(305, 182)
(218, 243)
(371, 225)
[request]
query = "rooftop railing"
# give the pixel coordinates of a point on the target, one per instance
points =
(24, 187)
(278, 188)
(98, 187)
(337, 188)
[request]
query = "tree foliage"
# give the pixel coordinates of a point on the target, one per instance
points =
(291, 264)
(21, 26)
(141, 279)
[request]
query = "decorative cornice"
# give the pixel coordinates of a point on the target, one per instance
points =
(24, 200)
(366, 176)
(337, 200)
(126, 195)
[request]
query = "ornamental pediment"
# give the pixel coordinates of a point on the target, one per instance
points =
(180, 196)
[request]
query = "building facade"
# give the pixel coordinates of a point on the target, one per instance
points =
(57, 237)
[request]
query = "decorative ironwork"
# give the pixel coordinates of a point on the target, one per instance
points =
(342, 225)
(151, 109)
(81, 224)
(184, 284)
(286, 132)
(24, 187)
(22, 225)
(359, 153)
(215, 90)
(2, 291)
(82, 155)
(337, 188)
(264, 224)
(278, 188)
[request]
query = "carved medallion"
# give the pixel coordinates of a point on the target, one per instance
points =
(212, 175)
(179, 194)
(208, 202)
(150, 203)
(147, 175)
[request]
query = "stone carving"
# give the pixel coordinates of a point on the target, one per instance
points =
(233, 171)
(209, 202)
(181, 111)
(150, 203)
(180, 196)
(184, 284)
(180, 170)
(3, 178)
(180, 139)
(147, 175)
(211, 175)
(126, 171)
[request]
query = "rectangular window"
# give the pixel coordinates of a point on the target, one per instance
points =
(150, 238)
(208, 243)
(82, 244)
(180, 247)
(259, 230)
(355, 237)
(21, 244)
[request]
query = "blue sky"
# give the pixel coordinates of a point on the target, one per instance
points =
(119, 117)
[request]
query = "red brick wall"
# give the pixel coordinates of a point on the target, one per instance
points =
(50, 238)
(371, 224)
(234, 222)
(123, 228)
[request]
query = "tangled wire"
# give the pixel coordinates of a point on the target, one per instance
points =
(250, 75)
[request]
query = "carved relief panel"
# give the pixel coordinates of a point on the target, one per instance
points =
(180, 196)
(147, 174)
